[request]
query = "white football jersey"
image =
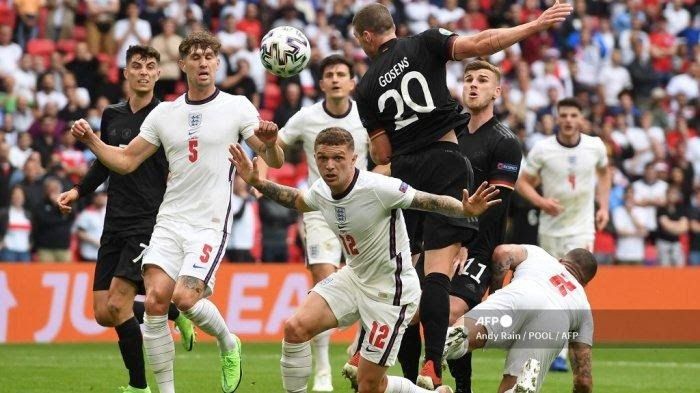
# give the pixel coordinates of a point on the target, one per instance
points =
(541, 276)
(568, 174)
(368, 220)
(196, 136)
(306, 124)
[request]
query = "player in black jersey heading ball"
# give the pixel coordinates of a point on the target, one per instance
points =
(132, 206)
(406, 107)
(495, 155)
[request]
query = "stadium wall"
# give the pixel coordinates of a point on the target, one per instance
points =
(53, 303)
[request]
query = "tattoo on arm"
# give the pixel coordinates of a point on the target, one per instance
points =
(285, 196)
(442, 204)
(581, 365)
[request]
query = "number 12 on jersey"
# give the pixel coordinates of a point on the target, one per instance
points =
(349, 244)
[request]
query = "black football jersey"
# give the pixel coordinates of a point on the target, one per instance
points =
(404, 91)
(133, 199)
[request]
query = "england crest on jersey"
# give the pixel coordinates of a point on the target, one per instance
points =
(194, 120)
(340, 216)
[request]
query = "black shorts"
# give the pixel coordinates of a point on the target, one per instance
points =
(116, 259)
(443, 170)
(471, 283)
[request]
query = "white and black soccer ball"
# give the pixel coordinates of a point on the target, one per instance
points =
(285, 51)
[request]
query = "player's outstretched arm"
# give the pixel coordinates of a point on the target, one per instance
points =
(288, 197)
(581, 365)
(264, 143)
(470, 206)
(119, 160)
(491, 41)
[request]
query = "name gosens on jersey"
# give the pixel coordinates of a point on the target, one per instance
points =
(404, 91)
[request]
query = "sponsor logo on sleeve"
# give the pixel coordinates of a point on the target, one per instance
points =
(403, 187)
(504, 166)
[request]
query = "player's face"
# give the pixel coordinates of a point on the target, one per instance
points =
(570, 120)
(336, 164)
(480, 89)
(141, 74)
(200, 66)
(336, 81)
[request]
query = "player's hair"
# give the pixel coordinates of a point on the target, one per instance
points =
(374, 18)
(335, 60)
(334, 136)
(570, 102)
(143, 52)
(586, 262)
(483, 65)
(199, 40)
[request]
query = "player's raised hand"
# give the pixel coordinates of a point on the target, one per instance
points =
(557, 13)
(81, 130)
(551, 206)
(267, 132)
(66, 199)
(601, 219)
(482, 199)
(247, 169)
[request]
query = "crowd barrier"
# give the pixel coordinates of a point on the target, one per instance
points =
(53, 303)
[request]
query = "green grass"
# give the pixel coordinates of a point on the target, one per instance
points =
(98, 368)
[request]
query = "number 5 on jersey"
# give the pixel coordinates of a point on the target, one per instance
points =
(193, 144)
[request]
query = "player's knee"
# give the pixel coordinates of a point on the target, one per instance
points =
(295, 332)
(102, 315)
(185, 299)
(368, 384)
(458, 308)
(156, 303)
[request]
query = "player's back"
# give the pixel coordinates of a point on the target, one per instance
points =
(196, 136)
(404, 91)
(306, 124)
(568, 174)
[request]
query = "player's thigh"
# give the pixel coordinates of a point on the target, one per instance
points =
(132, 249)
(108, 257)
(502, 315)
(470, 283)
(320, 271)
(554, 245)
(340, 293)
(313, 316)
(569, 243)
(440, 260)
(384, 324)
(165, 250)
(204, 250)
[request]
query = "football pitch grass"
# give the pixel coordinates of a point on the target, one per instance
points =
(43, 368)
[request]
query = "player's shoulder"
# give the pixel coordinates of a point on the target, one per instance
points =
(116, 109)
(591, 141)
(311, 111)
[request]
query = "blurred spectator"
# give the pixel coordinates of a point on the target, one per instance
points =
(634, 37)
(60, 19)
(49, 93)
(291, 103)
(251, 24)
(10, 52)
(663, 46)
(650, 194)
(167, 44)
(20, 152)
(275, 220)
(672, 222)
(243, 228)
(231, 39)
(687, 83)
(84, 66)
(613, 79)
(15, 229)
(27, 20)
(643, 76)
(88, 226)
(101, 15)
(678, 17)
(25, 78)
(47, 141)
(32, 182)
(694, 216)
(152, 12)
(177, 10)
(72, 160)
(289, 16)
(52, 229)
(130, 31)
(628, 220)
(69, 84)
(6, 174)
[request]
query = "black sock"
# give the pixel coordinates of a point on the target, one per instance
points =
(461, 370)
(131, 347)
(409, 352)
(435, 316)
(173, 312)
(140, 309)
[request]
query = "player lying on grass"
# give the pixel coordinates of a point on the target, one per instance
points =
(379, 285)
(534, 316)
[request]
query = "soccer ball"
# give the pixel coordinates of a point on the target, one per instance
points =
(285, 51)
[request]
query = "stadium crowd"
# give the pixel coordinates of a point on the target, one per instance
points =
(634, 64)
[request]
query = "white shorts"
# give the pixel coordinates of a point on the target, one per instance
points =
(383, 322)
(558, 246)
(322, 245)
(183, 250)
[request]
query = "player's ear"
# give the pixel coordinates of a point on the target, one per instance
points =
(181, 64)
(497, 93)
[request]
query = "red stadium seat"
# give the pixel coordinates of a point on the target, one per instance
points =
(272, 96)
(66, 46)
(266, 114)
(41, 47)
(79, 33)
(7, 15)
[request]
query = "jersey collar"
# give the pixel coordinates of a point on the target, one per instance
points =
(325, 109)
(204, 101)
(350, 187)
(569, 146)
(385, 46)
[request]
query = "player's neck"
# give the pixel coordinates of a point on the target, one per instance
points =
(337, 107)
(569, 140)
(194, 94)
(140, 101)
(479, 118)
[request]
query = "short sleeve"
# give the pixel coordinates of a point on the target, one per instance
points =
(149, 128)
(311, 196)
(393, 193)
(439, 42)
(250, 119)
(533, 163)
(292, 131)
(601, 154)
(505, 165)
(584, 334)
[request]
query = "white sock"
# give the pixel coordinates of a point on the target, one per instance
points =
(402, 385)
(205, 315)
(296, 366)
(564, 352)
(160, 350)
(319, 345)
(511, 390)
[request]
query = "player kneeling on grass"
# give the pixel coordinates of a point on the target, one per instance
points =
(533, 317)
(379, 285)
